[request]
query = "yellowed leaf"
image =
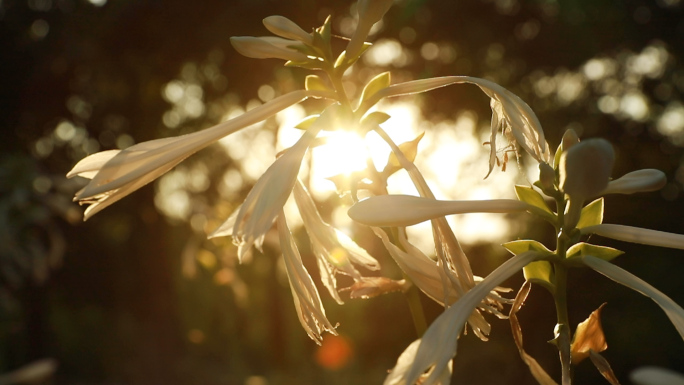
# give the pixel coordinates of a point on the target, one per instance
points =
(588, 336)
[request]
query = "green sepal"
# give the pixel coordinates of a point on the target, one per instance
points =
(309, 64)
(372, 120)
(321, 39)
(533, 198)
(305, 123)
(579, 250)
(592, 214)
(523, 245)
(325, 31)
(541, 273)
(376, 84)
(306, 50)
(557, 156)
(315, 83)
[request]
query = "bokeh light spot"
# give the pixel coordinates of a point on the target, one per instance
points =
(334, 353)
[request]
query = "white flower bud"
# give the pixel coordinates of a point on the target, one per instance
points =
(266, 48)
(284, 27)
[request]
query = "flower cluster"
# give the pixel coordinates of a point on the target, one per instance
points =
(568, 195)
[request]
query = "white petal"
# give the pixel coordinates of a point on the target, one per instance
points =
(637, 181)
(307, 301)
(90, 165)
(652, 375)
(673, 311)
(406, 210)
(226, 227)
(637, 235)
(438, 345)
(585, 168)
(523, 122)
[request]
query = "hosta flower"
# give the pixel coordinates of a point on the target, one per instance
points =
(257, 213)
(637, 181)
(116, 174)
(334, 250)
(406, 210)
(509, 113)
(585, 170)
(307, 301)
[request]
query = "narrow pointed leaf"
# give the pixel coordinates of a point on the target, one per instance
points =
(673, 311)
(604, 368)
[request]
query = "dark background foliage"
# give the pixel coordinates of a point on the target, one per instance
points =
(107, 299)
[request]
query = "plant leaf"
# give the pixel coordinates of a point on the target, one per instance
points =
(673, 311)
(376, 84)
(592, 214)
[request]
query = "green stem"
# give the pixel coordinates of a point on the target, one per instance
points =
(416, 307)
(563, 335)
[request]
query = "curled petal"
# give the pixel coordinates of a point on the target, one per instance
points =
(507, 109)
(406, 210)
(637, 181)
(673, 311)
(637, 235)
(439, 343)
(307, 301)
(266, 48)
(284, 27)
(370, 12)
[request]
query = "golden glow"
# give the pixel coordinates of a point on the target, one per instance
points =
(343, 153)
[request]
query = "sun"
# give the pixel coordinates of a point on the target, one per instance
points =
(343, 153)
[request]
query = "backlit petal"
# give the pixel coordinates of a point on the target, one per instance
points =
(406, 210)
